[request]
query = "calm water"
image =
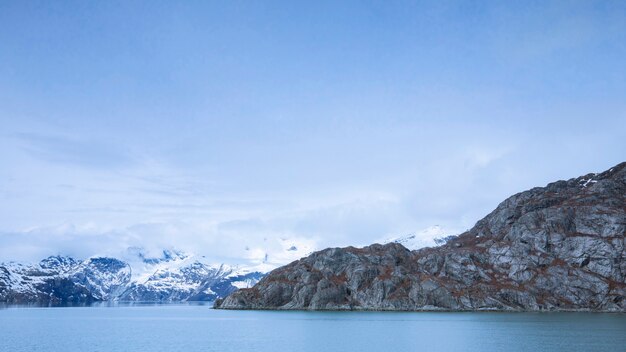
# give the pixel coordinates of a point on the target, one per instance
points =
(199, 328)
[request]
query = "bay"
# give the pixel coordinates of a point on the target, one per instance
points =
(192, 327)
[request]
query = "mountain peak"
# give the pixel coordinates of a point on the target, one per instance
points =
(58, 262)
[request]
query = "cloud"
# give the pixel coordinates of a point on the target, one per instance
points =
(231, 247)
(229, 237)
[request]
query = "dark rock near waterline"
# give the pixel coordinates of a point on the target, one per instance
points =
(559, 247)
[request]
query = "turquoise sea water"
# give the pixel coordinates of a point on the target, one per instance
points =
(200, 328)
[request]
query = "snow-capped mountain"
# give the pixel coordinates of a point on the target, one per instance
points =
(171, 277)
(429, 237)
(177, 276)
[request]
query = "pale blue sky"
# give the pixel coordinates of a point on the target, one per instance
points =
(207, 125)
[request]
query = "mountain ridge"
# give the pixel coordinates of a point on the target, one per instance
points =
(174, 277)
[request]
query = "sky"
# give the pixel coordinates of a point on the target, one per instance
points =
(232, 129)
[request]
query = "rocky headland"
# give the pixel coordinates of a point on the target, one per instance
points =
(558, 247)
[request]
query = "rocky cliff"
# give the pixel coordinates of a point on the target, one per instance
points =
(559, 247)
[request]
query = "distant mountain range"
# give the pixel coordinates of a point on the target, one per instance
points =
(171, 277)
(558, 247)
